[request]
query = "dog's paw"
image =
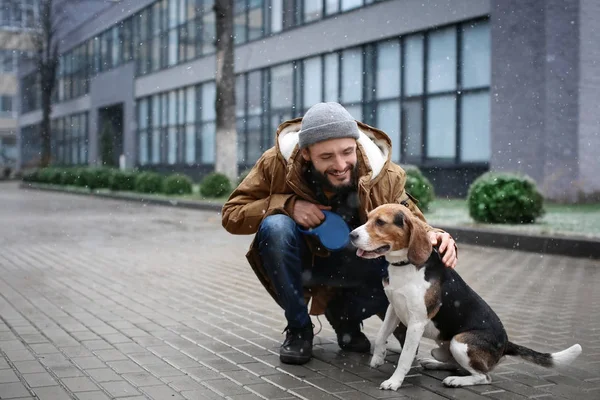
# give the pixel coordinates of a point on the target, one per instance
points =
(453, 381)
(429, 363)
(390, 384)
(376, 361)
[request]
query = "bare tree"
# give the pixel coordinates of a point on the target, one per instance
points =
(226, 161)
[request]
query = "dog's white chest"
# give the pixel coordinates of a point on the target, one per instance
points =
(406, 292)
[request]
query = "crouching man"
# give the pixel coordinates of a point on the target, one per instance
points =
(323, 161)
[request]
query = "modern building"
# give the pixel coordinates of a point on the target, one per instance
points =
(17, 19)
(461, 86)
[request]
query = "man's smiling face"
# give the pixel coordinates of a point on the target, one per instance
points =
(335, 160)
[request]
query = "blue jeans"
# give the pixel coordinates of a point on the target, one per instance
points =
(283, 250)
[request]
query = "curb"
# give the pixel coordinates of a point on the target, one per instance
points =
(556, 245)
(189, 204)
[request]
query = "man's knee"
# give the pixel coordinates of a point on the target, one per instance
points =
(276, 231)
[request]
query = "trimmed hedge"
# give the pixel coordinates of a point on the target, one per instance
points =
(504, 198)
(122, 180)
(149, 182)
(419, 187)
(215, 185)
(177, 184)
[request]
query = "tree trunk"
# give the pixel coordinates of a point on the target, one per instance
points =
(46, 155)
(226, 161)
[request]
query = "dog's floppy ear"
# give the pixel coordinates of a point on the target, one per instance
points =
(419, 246)
(399, 220)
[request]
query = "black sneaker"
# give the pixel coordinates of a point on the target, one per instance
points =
(353, 340)
(297, 347)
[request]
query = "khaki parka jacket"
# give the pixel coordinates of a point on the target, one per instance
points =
(276, 181)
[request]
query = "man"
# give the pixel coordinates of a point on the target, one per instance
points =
(323, 161)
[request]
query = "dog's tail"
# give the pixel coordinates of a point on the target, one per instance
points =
(548, 360)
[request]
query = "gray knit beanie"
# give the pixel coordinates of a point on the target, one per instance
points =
(325, 121)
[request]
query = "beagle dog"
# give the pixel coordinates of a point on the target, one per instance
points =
(433, 301)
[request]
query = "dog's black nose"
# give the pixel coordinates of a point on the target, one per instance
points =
(353, 235)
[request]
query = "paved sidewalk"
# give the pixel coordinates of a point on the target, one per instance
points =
(107, 299)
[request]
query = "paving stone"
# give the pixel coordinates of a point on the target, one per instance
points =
(52, 393)
(110, 355)
(13, 390)
(39, 380)
(79, 384)
(120, 389)
(97, 395)
(161, 392)
(29, 367)
(225, 387)
(7, 376)
(140, 379)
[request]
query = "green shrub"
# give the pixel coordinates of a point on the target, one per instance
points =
(69, 176)
(31, 175)
(80, 177)
(122, 180)
(149, 182)
(215, 185)
(49, 175)
(419, 187)
(504, 198)
(97, 177)
(177, 184)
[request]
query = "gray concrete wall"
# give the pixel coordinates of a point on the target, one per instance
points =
(110, 88)
(561, 113)
(589, 99)
(535, 101)
(376, 22)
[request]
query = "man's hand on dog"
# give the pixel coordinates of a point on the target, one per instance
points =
(446, 247)
(307, 214)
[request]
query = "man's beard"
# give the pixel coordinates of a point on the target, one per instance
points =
(322, 179)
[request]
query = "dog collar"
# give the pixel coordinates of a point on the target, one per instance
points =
(400, 263)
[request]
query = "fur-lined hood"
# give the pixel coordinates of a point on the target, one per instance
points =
(374, 145)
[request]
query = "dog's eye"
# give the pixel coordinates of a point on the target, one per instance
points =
(379, 222)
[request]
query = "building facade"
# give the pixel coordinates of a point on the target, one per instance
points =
(17, 19)
(461, 87)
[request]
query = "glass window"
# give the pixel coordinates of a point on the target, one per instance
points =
(239, 21)
(173, 45)
(208, 101)
(143, 114)
(412, 126)
(173, 15)
(181, 103)
(388, 120)
(240, 95)
(475, 127)
(312, 82)
(208, 33)
(143, 148)
(332, 77)
(156, 157)
(172, 107)
(350, 4)
(388, 70)
(332, 6)
(441, 127)
(355, 111)
(172, 145)
(282, 86)
(190, 100)
(413, 65)
(255, 19)
(352, 75)
(255, 90)
(276, 15)
(208, 143)
(441, 60)
(476, 56)
(190, 144)
(254, 128)
(312, 10)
